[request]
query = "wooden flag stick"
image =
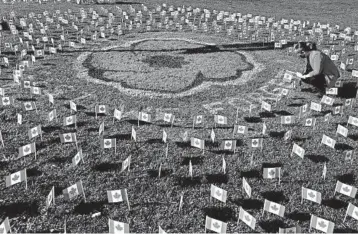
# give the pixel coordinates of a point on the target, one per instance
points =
(166, 151)
(115, 147)
(171, 126)
(345, 216)
(193, 122)
(25, 179)
(53, 194)
(36, 108)
(237, 115)
(129, 208)
(138, 119)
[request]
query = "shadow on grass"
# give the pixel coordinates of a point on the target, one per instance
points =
(334, 203)
(277, 134)
(271, 225)
(346, 178)
(275, 196)
(135, 122)
(249, 204)
(194, 160)
(354, 137)
(345, 230)
(317, 158)
(106, 166)
(283, 113)
(267, 114)
(183, 144)
(19, 209)
(188, 181)
(33, 172)
(264, 165)
(343, 146)
(89, 207)
(253, 119)
(121, 136)
(299, 216)
(155, 141)
(251, 174)
(47, 129)
(216, 178)
(224, 214)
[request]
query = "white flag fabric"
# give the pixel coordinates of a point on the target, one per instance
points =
(342, 130)
(246, 187)
(311, 195)
(321, 224)
(116, 227)
(352, 211)
(326, 140)
(274, 208)
(215, 225)
(346, 189)
(247, 218)
(298, 150)
(218, 193)
(353, 121)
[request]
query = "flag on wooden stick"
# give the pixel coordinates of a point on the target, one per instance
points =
(74, 190)
(5, 226)
(116, 227)
(16, 177)
(321, 224)
(215, 225)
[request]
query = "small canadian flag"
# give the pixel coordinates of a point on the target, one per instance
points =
(219, 119)
(117, 195)
(287, 119)
(215, 225)
(69, 120)
(116, 227)
(326, 140)
(353, 121)
(274, 208)
(342, 130)
(240, 129)
(327, 100)
(311, 195)
(142, 116)
(197, 143)
(266, 106)
(246, 186)
(346, 189)
(27, 149)
(73, 106)
(101, 109)
(35, 90)
(134, 134)
(321, 224)
(352, 211)
(15, 178)
(247, 218)
(316, 106)
(298, 150)
(126, 163)
(218, 193)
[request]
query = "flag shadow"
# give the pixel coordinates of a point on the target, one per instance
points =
(188, 181)
(26, 99)
(354, 137)
(253, 119)
(106, 166)
(349, 90)
(267, 114)
(272, 226)
(343, 146)
(224, 214)
(275, 196)
(317, 158)
(334, 203)
(18, 209)
(295, 104)
(346, 178)
(194, 160)
(249, 204)
(345, 230)
(181, 144)
(299, 216)
(251, 174)
(121, 136)
(216, 178)
(154, 141)
(135, 122)
(31, 172)
(163, 173)
(48, 129)
(283, 113)
(280, 134)
(88, 207)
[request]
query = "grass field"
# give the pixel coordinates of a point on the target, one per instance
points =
(155, 200)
